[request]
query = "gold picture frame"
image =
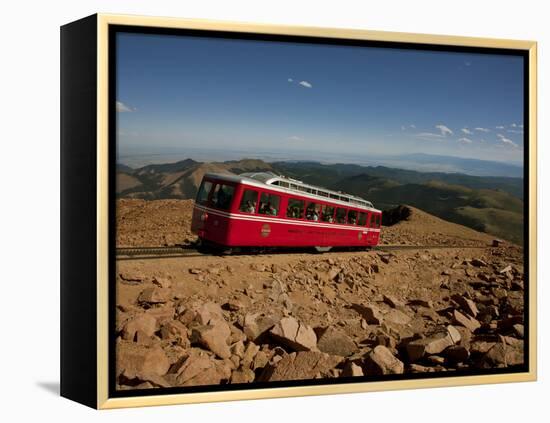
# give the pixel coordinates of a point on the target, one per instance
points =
(93, 34)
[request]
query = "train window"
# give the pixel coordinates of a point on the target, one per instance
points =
(328, 214)
(376, 220)
(249, 201)
(335, 196)
(322, 193)
(204, 191)
(295, 208)
(362, 219)
(352, 217)
(284, 184)
(223, 194)
(340, 215)
(313, 211)
(269, 204)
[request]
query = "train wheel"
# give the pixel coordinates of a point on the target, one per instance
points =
(323, 249)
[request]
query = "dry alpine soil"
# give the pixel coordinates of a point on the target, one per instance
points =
(209, 320)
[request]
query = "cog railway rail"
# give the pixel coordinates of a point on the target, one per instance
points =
(135, 253)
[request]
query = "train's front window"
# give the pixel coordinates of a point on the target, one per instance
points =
(204, 191)
(223, 194)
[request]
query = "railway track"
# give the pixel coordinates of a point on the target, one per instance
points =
(128, 253)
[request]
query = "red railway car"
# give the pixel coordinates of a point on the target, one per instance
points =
(268, 210)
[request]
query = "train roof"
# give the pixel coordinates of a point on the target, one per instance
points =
(290, 185)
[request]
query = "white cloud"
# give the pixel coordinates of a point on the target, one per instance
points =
(515, 131)
(444, 130)
(412, 126)
(499, 127)
(482, 129)
(466, 131)
(305, 84)
(290, 80)
(513, 125)
(505, 140)
(430, 136)
(465, 140)
(295, 138)
(122, 108)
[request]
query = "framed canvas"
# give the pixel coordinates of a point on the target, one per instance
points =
(256, 211)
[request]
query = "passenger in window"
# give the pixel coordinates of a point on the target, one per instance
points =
(315, 216)
(250, 207)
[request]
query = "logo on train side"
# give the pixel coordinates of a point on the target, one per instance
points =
(266, 230)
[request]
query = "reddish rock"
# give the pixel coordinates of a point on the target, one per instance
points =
(456, 353)
(242, 375)
(199, 369)
(174, 330)
(154, 295)
(334, 342)
(255, 325)
(301, 365)
(428, 346)
(142, 322)
(213, 337)
(381, 361)
(466, 304)
(140, 361)
(294, 334)
(352, 370)
(392, 301)
(468, 322)
(371, 314)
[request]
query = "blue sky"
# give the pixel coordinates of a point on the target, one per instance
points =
(189, 92)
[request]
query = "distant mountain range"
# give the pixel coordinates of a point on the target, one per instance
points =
(484, 203)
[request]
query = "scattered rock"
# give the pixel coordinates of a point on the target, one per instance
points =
(392, 301)
(478, 263)
(199, 369)
(352, 370)
(428, 346)
(334, 342)
(154, 295)
(381, 361)
(457, 353)
(139, 361)
(371, 314)
(497, 242)
(255, 325)
(294, 334)
(213, 337)
(466, 304)
(143, 322)
(468, 322)
(300, 365)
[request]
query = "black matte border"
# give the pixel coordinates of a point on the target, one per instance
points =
(115, 29)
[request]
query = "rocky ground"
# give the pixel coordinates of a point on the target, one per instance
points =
(206, 320)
